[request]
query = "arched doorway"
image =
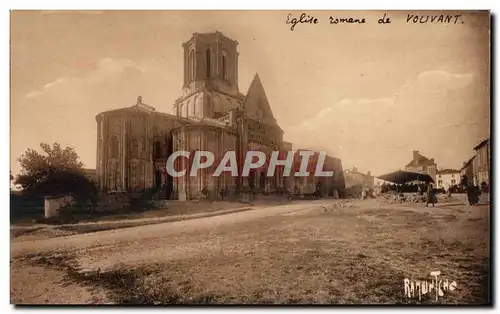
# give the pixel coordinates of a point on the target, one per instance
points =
(157, 179)
(169, 179)
(262, 180)
(251, 179)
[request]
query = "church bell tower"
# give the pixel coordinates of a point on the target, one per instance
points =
(210, 85)
(211, 59)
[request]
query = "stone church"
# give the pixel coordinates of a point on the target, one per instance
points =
(133, 143)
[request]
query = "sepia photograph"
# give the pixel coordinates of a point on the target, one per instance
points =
(202, 157)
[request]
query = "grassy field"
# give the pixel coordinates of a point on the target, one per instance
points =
(326, 255)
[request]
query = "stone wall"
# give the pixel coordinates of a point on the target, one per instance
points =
(110, 202)
(54, 203)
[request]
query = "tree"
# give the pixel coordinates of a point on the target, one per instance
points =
(11, 178)
(54, 171)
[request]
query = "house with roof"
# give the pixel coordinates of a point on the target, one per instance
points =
(354, 178)
(468, 169)
(482, 163)
(447, 178)
(422, 164)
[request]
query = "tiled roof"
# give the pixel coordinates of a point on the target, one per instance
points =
(467, 163)
(486, 141)
(448, 171)
(423, 161)
(135, 108)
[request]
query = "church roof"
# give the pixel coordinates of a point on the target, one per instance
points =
(209, 122)
(144, 108)
(213, 34)
(138, 107)
(256, 100)
(195, 121)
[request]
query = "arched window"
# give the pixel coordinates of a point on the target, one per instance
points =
(114, 145)
(133, 176)
(259, 115)
(157, 149)
(134, 149)
(224, 65)
(191, 66)
(207, 56)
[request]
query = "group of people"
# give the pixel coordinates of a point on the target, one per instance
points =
(401, 188)
(367, 193)
(473, 192)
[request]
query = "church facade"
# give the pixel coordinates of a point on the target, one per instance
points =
(133, 143)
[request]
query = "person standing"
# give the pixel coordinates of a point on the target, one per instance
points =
(430, 196)
(472, 197)
(363, 194)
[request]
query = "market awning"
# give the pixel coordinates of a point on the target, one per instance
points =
(402, 177)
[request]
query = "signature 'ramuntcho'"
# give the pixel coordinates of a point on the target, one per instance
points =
(301, 163)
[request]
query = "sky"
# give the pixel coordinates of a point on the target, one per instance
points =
(368, 93)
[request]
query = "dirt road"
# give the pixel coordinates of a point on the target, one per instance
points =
(210, 256)
(145, 234)
(103, 250)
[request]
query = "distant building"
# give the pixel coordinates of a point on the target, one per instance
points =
(309, 184)
(354, 178)
(447, 178)
(287, 146)
(422, 164)
(482, 163)
(335, 183)
(468, 169)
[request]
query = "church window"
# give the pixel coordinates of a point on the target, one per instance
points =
(133, 175)
(157, 149)
(193, 110)
(114, 147)
(141, 176)
(207, 56)
(134, 149)
(191, 66)
(224, 65)
(259, 115)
